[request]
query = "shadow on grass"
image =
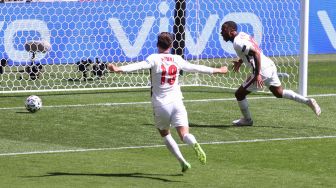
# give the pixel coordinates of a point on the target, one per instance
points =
(127, 175)
(259, 127)
(246, 126)
(23, 112)
(194, 125)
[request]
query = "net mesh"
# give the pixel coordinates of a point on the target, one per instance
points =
(65, 45)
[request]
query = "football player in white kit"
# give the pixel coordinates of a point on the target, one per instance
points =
(264, 72)
(168, 107)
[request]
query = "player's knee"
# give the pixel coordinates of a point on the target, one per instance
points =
(277, 95)
(239, 96)
(277, 91)
(181, 138)
(164, 133)
(182, 131)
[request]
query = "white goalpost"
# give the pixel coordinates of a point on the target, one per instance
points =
(63, 45)
(304, 25)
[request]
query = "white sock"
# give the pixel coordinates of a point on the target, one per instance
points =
(173, 148)
(243, 105)
(289, 94)
(189, 139)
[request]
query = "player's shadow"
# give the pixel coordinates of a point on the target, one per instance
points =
(120, 175)
(22, 112)
(195, 125)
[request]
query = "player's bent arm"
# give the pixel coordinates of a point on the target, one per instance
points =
(257, 60)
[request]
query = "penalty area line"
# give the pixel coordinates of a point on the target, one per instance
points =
(156, 146)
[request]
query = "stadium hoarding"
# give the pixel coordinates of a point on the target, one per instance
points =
(322, 27)
(118, 31)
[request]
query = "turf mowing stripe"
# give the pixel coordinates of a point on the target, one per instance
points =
(148, 102)
(155, 146)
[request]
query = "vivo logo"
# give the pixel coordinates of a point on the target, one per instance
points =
(328, 27)
(195, 45)
(16, 26)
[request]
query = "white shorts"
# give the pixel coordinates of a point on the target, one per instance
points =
(269, 76)
(170, 115)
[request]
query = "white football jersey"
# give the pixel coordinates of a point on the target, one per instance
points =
(165, 71)
(242, 44)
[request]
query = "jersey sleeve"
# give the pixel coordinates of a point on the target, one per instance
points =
(136, 66)
(188, 67)
(147, 64)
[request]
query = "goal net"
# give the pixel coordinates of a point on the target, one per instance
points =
(49, 45)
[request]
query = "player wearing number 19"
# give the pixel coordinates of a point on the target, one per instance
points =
(168, 107)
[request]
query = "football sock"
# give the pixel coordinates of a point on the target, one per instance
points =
(189, 139)
(243, 105)
(289, 94)
(173, 148)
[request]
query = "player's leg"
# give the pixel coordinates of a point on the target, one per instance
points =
(162, 121)
(179, 120)
(190, 139)
(279, 92)
(174, 149)
(272, 80)
(240, 95)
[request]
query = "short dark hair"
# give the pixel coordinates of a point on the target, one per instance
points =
(231, 24)
(165, 40)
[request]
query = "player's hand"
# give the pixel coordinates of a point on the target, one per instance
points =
(259, 81)
(113, 67)
(223, 70)
(236, 65)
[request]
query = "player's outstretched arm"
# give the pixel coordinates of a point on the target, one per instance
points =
(130, 67)
(189, 67)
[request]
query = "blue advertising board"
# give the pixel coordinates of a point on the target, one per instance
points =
(322, 27)
(118, 31)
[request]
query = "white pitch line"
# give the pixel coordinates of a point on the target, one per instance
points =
(323, 95)
(148, 102)
(156, 146)
(83, 105)
(272, 139)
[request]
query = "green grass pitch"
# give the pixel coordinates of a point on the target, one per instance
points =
(107, 139)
